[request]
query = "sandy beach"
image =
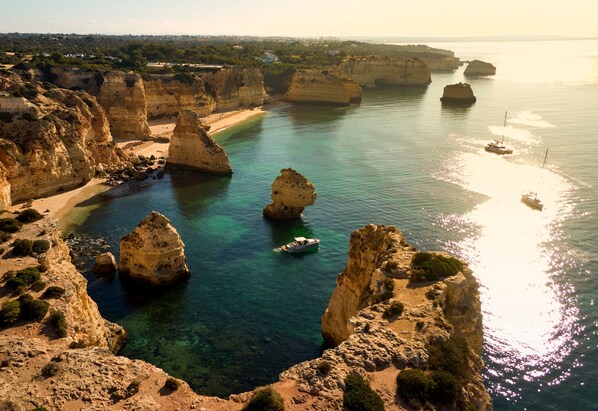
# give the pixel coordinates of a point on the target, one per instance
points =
(59, 205)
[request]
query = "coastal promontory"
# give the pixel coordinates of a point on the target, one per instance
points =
(192, 147)
(291, 193)
(322, 86)
(153, 252)
(371, 71)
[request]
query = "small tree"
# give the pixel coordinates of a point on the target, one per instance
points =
(359, 396)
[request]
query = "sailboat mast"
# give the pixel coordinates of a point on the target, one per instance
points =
(545, 156)
(504, 125)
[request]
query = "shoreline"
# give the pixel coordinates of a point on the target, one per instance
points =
(59, 206)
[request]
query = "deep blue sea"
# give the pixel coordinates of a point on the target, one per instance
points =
(247, 313)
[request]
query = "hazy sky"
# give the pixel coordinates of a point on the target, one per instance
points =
(304, 17)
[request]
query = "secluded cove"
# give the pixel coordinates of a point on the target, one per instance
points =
(399, 158)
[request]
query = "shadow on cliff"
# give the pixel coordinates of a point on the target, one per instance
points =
(193, 190)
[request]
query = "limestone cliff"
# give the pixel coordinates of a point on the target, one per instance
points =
(379, 274)
(442, 63)
(54, 140)
(154, 252)
(291, 193)
(479, 68)
(460, 93)
(192, 147)
(322, 87)
(122, 95)
(234, 87)
(167, 95)
(375, 70)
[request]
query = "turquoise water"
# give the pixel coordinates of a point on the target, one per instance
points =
(399, 158)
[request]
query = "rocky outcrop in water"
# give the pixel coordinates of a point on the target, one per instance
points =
(105, 264)
(234, 87)
(192, 147)
(322, 87)
(479, 68)
(396, 71)
(168, 95)
(122, 95)
(154, 252)
(291, 193)
(458, 94)
(51, 140)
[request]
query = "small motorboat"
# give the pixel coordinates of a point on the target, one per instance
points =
(531, 199)
(301, 245)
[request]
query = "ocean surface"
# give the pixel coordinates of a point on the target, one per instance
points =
(247, 312)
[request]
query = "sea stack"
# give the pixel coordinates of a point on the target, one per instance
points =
(479, 68)
(291, 193)
(105, 264)
(192, 147)
(153, 252)
(458, 94)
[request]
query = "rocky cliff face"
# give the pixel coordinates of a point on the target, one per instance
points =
(168, 95)
(291, 193)
(479, 68)
(442, 63)
(372, 71)
(122, 95)
(54, 140)
(192, 147)
(460, 93)
(235, 87)
(154, 252)
(322, 87)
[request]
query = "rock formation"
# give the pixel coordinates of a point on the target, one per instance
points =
(460, 93)
(52, 140)
(105, 264)
(167, 95)
(376, 70)
(154, 252)
(479, 68)
(441, 64)
(322, 87)
(192, 147)
(291, 193)
(234, 88)
(122, 95)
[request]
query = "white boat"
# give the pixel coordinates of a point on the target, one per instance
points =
(531, 199)
(301, 245)
(499, 147)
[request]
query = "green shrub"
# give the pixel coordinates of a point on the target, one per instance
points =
(444, 387)
(388, 286)
(434, 267)
(413, 386)
(59, 323)
(10, 225)
(450, 356)
(53, 292)
(22, 247)
(42, 268)
(34, 310)
(37, 286)
(39, 409)
(4, 237)
(359, 396)
(40, 246)
(10, 312)
(133, 387)
(50, 369)
(324, 367)
(394, 310)
(29, 215)
(265, 399)
(172, 384)
(23, 278)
